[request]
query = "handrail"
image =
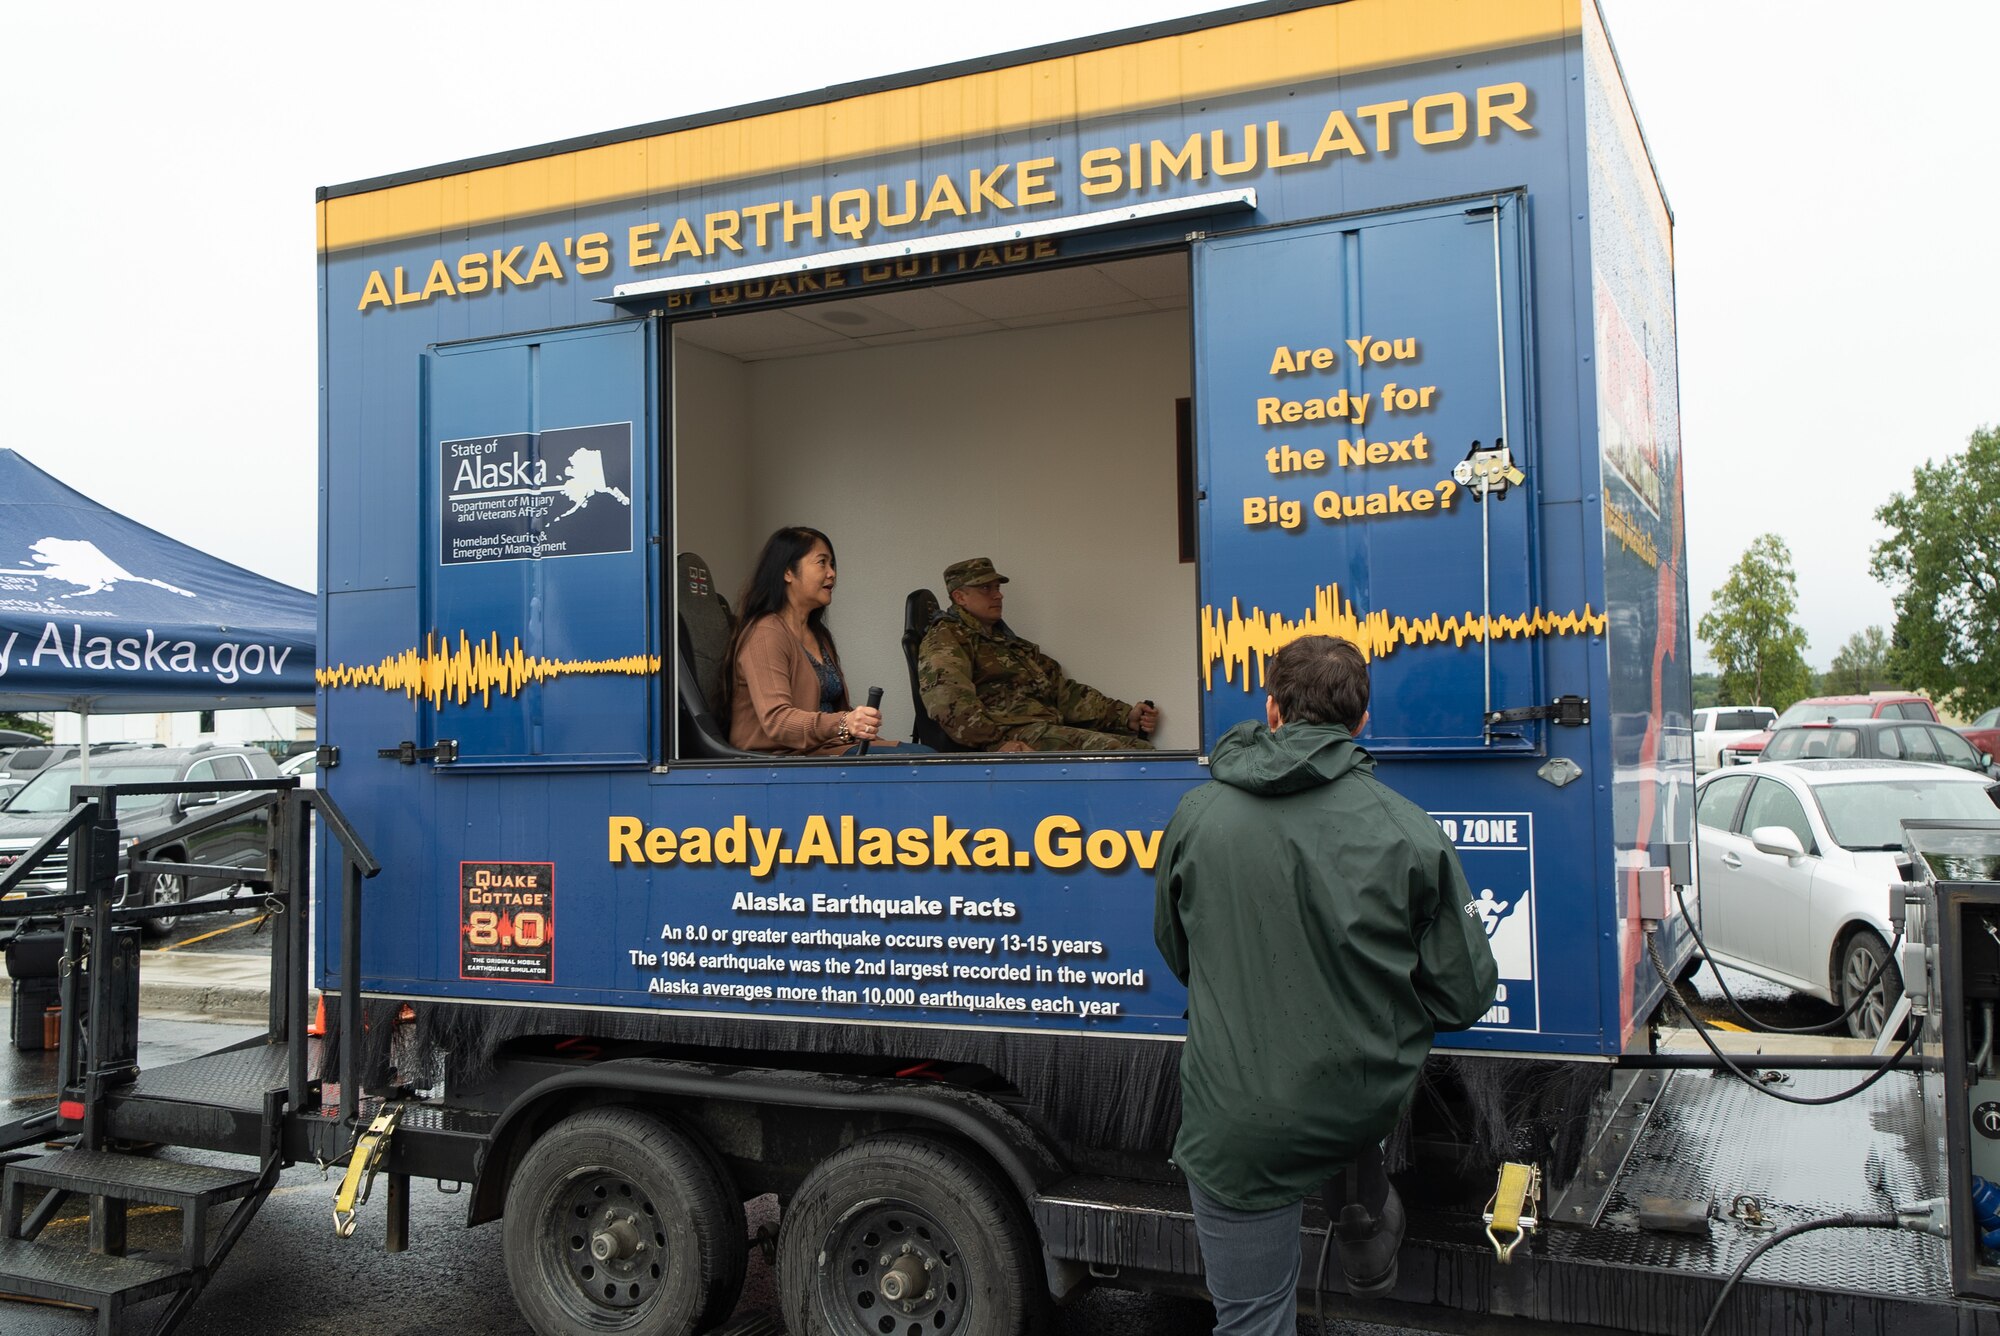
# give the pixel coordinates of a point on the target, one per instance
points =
(32, 859)
(44, 908)
(337, 822)
(221, 814)
(88, 901)
(129, 860)
(356, 862)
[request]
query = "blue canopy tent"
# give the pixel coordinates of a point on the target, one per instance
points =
(99, 614)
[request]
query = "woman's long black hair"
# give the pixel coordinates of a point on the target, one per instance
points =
(764, 595)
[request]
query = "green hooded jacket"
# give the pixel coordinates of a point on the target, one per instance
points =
(1324, 929)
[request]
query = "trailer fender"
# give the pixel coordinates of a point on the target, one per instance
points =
(1027, 1160)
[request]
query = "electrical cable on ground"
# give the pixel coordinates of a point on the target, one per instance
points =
(1850, 1221)
(1659, 968)
(1701, 945)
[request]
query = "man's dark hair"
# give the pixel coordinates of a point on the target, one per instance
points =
(1319, 680)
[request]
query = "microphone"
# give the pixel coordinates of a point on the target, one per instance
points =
(874, 703)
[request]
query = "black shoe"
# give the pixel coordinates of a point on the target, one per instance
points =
(1368, 1246)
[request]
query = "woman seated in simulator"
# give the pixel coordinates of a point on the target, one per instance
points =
(786, 693)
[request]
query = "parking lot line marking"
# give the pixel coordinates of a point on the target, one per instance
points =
(246, 923)
(1725, 1025)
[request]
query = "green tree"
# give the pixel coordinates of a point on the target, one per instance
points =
(1750, 631)
(1941, 562)
(25, 724)
(1861, 666)
(1707, 689)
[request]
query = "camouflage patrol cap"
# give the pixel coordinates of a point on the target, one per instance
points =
(972, 571)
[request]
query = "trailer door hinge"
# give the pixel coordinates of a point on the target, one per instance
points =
(1567, 711)
(409, 753)
(326, 757)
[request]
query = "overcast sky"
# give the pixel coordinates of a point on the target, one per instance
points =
(1831, 167)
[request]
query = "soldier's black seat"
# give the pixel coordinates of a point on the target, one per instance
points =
(705, 628)
(918, 610)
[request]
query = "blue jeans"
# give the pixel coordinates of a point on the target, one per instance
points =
(1251, 1259)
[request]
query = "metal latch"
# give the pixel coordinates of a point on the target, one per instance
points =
(370, 1149)
(1511, 1211)
(1566, 711)
(409, 753)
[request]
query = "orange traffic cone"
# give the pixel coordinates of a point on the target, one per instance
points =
(318, 1026)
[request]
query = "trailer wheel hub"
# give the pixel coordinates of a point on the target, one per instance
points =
(612, 1239)
(616, 1239)
(904, 1280)
(894, 1260)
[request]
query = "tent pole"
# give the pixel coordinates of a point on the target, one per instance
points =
(83, 731)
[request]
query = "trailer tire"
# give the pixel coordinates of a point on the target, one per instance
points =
(904, 1213)
(618, 1221)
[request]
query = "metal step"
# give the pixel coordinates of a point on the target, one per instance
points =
(134, 1178)
(95, 1280)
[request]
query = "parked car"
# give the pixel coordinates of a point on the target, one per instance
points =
(1716, 726)
(1984, 733)
(10, 787)
(1878, 739)
(40, 806)
(1796, 859)
(1886, 706)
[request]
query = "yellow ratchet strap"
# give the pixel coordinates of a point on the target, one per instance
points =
(370, 1149)
(1511, 1211)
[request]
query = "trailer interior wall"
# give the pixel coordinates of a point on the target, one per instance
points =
(1050, 449)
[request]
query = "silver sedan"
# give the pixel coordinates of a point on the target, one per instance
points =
(1796, 859)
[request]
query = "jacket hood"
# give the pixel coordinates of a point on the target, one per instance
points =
(1296, 757)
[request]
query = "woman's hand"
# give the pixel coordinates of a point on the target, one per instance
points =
(863, 722)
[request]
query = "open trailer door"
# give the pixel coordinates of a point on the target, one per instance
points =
(539, 563)
(1368, 466)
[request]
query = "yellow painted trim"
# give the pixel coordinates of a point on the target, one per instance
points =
(1259, 53)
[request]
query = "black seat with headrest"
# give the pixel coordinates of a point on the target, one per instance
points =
(919, 610)
(705, 628)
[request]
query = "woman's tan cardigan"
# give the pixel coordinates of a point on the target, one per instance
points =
(774, 696)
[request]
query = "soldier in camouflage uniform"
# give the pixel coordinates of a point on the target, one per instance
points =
(993, 691)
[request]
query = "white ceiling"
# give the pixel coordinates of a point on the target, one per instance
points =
(948, 311)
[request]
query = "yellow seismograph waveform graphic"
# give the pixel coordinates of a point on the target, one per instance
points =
(1233, 639)
(474, 669)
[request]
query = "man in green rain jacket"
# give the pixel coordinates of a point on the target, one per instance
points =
(1324, 929)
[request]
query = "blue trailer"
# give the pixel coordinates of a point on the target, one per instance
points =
(1351, 318)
